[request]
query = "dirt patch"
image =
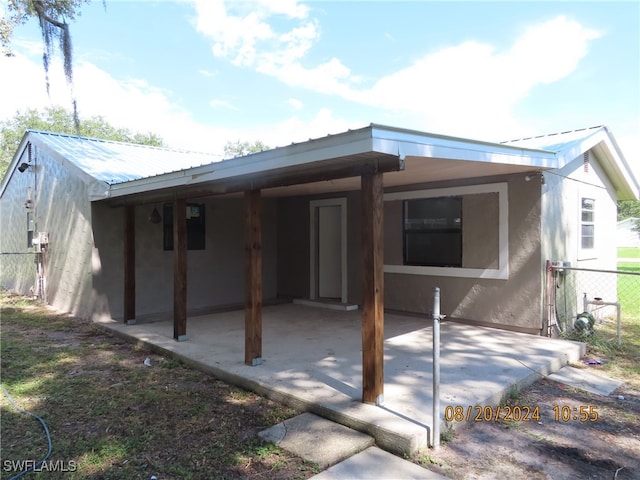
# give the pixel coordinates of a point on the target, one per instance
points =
(551, 447)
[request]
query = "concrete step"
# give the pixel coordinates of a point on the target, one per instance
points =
(344, 452)
(317, 439)
(378, 464)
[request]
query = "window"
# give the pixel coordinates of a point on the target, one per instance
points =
(485, 211)
(433, 232)
(195, 226)
(587, 225)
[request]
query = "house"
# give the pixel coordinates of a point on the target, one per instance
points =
(375, 217)
(626, 235)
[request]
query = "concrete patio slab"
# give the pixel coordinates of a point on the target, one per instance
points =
(317, 439)
(585, 380)
(312, 360)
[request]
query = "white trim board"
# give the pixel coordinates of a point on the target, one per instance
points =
(500, 273)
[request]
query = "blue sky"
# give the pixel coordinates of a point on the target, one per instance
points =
(203, 72)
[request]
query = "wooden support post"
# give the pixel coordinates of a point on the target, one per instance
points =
(253, 279)
(180, 270)
(372, 289)
(129, 265)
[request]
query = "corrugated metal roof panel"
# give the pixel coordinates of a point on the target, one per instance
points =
(555, 142)
(118, 162)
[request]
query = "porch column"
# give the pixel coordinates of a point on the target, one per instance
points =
(129, 264)
(253, 279)
(372, 289)
(179, 270)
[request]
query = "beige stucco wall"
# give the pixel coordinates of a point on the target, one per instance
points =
(513, 303)
(61, 208)
(215, 275)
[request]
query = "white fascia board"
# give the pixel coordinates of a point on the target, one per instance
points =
(622, 176)
(299, 155)
(413, 144)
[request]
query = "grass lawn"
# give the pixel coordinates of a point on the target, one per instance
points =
(620, 361)
(628, 252)
(112, 417)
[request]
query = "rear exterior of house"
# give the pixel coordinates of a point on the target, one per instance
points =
(479, 224)
(46, 244)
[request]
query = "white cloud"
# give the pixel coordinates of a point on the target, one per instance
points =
(218, 103)
(132, 103)
(472, 88)
(469, 89)
(242, 33)
(295, 103)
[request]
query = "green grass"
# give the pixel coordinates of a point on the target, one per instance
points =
(628, 252)
(118, 419)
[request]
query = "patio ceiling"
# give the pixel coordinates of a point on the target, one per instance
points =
(417, 170)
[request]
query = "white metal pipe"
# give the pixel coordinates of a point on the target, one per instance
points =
(435, 442)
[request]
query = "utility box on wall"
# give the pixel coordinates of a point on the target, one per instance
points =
(41, 241)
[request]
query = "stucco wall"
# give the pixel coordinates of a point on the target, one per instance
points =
(515, 302)
(18, 268)
(562, 196)
(61, 208)
(561, 199)
(294, 245)
(215, 275)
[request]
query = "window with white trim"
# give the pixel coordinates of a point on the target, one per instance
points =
(587, 224)
(433, 232)
(468, 238)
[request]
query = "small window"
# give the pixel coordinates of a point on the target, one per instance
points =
(433, 232)
(587, 224)
(30, 229)
(195, 226)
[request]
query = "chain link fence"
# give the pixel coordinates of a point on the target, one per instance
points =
(605, 295)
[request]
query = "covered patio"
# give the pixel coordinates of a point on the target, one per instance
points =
(312, 360)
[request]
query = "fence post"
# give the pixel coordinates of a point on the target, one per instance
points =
(435, 441)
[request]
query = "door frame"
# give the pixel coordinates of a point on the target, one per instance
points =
(313, 254)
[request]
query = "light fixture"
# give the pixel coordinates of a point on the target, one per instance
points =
(155, 216)
(23, 166)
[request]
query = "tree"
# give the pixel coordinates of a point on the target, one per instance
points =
(52, 16)
(59, 120)
(242, 148)
(630, 209)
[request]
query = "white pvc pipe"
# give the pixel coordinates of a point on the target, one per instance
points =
(435, 442)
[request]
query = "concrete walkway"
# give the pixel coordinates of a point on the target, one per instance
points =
(312, 361)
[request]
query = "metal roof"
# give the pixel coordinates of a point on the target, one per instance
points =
(556, 142)
(571, 144)
(117, 162)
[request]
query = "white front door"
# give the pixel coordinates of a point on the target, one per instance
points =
(328, 252)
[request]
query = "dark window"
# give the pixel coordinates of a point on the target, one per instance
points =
(433, 232)
(30, 229)
(195, 226)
